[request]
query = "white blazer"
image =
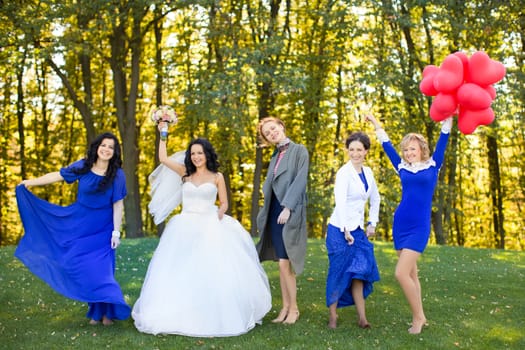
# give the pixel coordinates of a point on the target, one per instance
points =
(351, 198)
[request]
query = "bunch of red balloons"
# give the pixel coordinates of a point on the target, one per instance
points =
(463, 86)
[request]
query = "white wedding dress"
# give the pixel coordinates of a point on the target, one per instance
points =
(204, 278)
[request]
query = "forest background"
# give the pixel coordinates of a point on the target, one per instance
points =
(72, 69)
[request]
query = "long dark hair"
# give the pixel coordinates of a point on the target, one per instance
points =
(114, 164)
(212, 163)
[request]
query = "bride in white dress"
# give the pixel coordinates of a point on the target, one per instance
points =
(205, 278)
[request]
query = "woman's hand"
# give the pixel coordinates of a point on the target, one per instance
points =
(373, 120)
(115, 242)
(115, 239)
(370, 231)
(162, 125)
(284, 216)
(446, 125)
(349, 238)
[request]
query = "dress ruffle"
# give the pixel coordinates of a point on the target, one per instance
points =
(348, 262)
(204, 278)
(69, 249)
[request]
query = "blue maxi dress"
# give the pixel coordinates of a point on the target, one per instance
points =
(69, 247)
(411, 227)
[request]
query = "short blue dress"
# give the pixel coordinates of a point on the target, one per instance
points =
(411, 227)
(69, 247)
(276, 229)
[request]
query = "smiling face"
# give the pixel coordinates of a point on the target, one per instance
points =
(357, 153)
(412, 152)
(414, 148)
(273, 132)
(198, 157)
(106, 149)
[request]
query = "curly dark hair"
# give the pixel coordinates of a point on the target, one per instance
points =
(358, 136)
(212, 163)
(115, 162)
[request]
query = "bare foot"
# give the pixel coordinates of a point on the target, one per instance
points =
(292, 317)
(332, 322)
(417, 326)
(106, 321)
(364, 324)
(93, 322)
(282, 316)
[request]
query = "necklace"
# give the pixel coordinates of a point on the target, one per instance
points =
(99, 170)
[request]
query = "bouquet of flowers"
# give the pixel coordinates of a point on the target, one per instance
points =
(163, 114)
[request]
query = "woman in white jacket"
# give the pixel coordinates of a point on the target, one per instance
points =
(353, 269)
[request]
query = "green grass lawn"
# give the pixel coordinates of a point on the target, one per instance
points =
(473, 298)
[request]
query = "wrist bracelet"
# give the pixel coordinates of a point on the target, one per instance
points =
(115, 233)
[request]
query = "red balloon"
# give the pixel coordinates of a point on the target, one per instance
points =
(483, 70)
(436, 115)
(469, 120)
(491, 90)
(450, 74)
(463, 84)
(472, 96)
(445, 103)
(427, 83)
(464, 59)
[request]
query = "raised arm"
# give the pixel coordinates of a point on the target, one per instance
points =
(441, 145)
(374, 121)
(383, 138)
(164, 159)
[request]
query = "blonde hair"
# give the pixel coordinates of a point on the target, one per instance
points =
(423, 144)
(265, 121)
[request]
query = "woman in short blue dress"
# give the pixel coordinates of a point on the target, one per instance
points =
(418, 172)
(72, 248)
(353, 268)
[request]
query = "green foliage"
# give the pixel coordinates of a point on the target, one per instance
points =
(79, 68)
(472, 298)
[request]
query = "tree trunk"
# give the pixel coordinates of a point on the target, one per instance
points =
(256, 191)
(496, 192)
(159, 87)
(265, 103)
(126, 108)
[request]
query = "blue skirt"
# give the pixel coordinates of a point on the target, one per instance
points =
(276, 230)
(348, 262)
(69, 248)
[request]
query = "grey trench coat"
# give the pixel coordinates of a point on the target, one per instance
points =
(289, 186)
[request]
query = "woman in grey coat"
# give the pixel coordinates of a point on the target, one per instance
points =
(282, 219)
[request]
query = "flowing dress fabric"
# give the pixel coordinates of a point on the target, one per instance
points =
(348, 262)
(204, 279)
(69, 247)
(411, 226)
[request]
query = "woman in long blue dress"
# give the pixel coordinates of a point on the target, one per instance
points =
(72, 248)
(353, 268)
(418, 172)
